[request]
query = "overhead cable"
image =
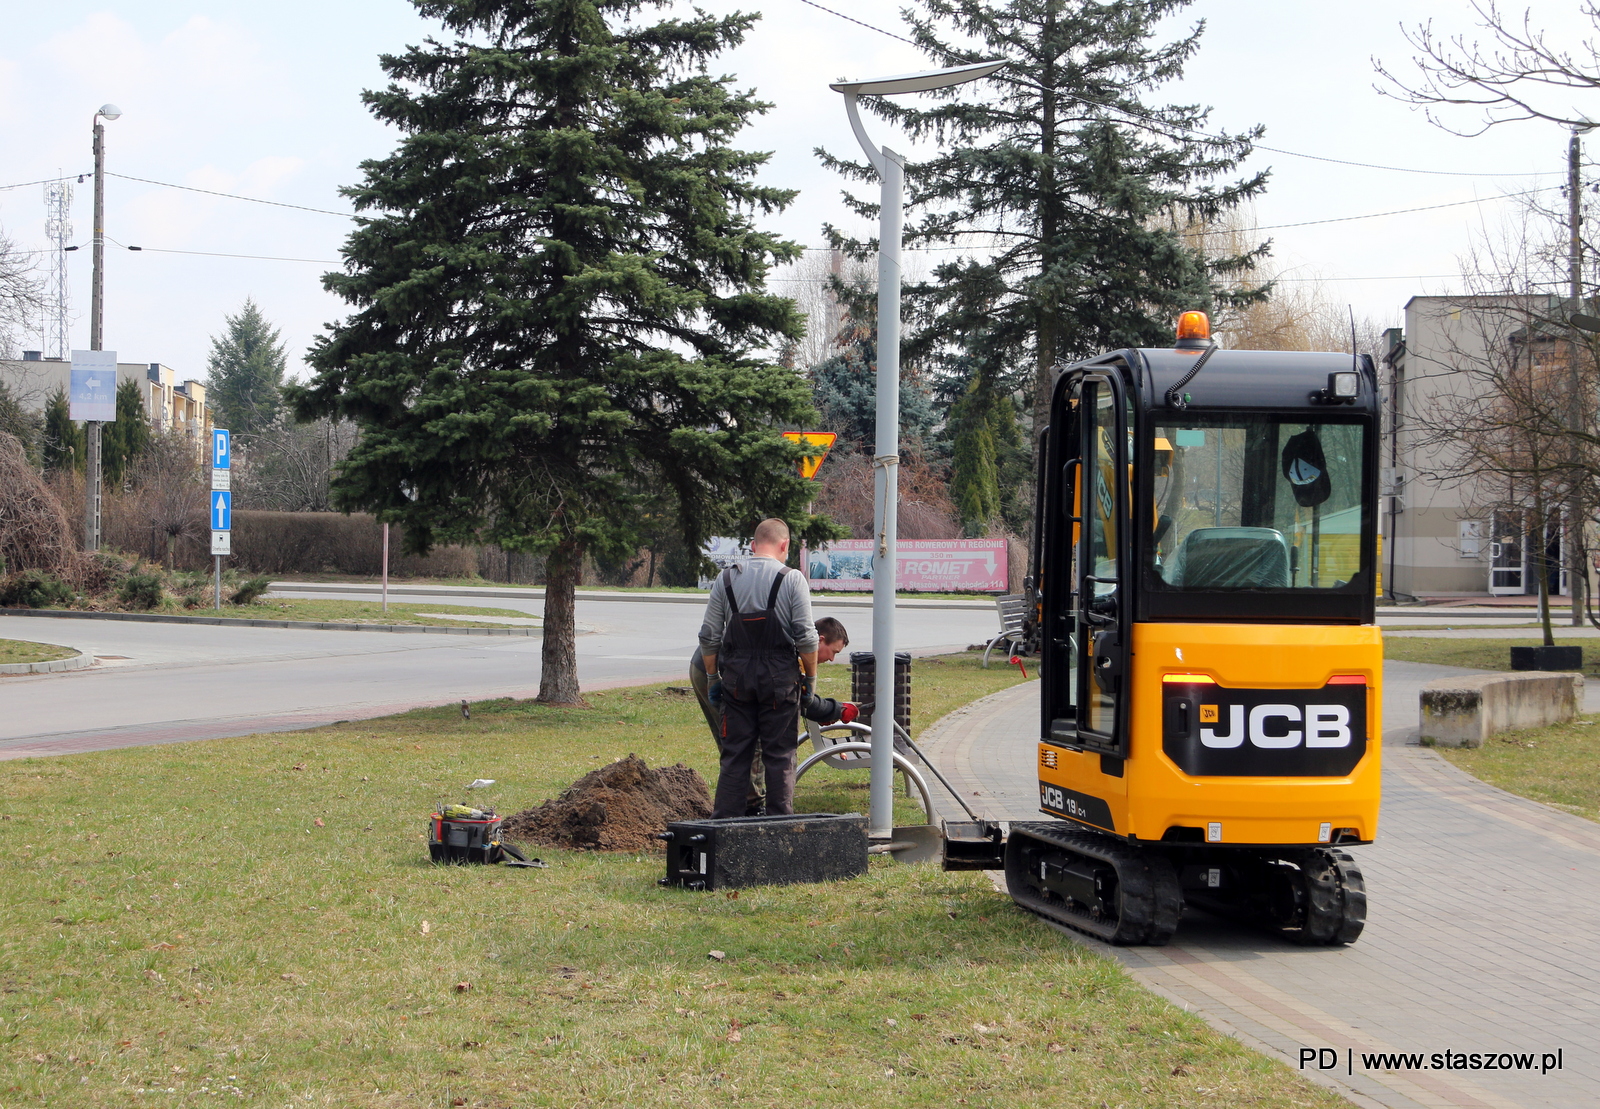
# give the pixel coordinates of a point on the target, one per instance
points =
(232, 196)
(214, 254)
(45, 181)
(1203, 134)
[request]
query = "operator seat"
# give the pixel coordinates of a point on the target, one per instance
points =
(1233, 558)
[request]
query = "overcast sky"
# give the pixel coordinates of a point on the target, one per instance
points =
(263, 100)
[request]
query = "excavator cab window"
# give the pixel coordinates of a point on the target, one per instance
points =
(1246, 504)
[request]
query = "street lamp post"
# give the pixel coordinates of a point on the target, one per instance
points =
(92, 470)
(886, 460)
(1577, 573)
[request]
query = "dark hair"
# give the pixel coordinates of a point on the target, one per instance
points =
(830, 629)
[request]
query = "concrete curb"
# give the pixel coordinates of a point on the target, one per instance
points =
(235, 622)
(72, 662)
(536, 593)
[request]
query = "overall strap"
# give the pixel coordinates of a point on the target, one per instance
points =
(777, 584)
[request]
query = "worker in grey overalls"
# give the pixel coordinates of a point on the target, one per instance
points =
(757, 627)
(831, 640)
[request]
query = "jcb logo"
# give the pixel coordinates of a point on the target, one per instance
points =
(1277, 727)
(1052, 797)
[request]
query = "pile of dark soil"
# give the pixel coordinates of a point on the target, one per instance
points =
(621, 807)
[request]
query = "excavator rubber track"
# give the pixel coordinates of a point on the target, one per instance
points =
(1312, 896)
(1093, 883)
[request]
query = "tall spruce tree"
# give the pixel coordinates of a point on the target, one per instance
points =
(124, 439)
(64, 443)
(1073, 188)
(245, 372)
(558, 285)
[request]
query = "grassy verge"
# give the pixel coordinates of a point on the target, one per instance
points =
(486, 584)
(1478, 654)
(1558, 765)
(370, 612)
(20, 650)
(255, 919)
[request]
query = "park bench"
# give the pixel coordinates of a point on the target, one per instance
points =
(1013, 609)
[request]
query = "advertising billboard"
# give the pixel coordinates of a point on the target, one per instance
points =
(921, 565)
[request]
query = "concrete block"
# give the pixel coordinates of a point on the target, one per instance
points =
(1463, 712)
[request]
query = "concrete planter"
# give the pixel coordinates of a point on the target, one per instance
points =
(1463, 712)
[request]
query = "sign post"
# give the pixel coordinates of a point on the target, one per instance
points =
(92, 398)
(221, 502)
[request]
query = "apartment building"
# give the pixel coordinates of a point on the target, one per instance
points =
(1448, 531)
(168, 403)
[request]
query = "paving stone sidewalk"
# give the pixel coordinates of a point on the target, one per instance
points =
(1483, 930)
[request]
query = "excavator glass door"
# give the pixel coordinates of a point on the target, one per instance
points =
(1089, 635)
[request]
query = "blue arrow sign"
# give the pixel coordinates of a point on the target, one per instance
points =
(221, 510)
(221, 449)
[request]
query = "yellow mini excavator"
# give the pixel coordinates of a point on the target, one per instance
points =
(1205, 572)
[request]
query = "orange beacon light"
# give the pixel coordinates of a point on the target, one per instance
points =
(1194, 331)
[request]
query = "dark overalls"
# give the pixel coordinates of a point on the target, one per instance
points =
(760, 700)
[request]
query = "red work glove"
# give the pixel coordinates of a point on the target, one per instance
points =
(848, 713)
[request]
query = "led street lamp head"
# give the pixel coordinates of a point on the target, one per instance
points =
(926, 81)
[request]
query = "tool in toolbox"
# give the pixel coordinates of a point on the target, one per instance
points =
(461, 834)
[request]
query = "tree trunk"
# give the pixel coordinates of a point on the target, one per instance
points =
(558, 674)
(1542, 536)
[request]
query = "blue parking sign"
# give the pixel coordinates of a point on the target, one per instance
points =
(221, 449)
(221, 510)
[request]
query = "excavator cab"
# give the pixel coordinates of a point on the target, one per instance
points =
(1206, 576)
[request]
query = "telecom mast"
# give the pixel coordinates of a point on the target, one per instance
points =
(58, 227)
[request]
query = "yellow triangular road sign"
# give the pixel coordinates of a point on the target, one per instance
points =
(821, 441)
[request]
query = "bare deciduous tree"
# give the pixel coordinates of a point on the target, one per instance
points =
(166, 493)
(1518, 76)
(21, 295)
(288, 466)
(1515, 428)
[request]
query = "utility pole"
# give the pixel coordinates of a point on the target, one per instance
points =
(1577, 572)
(92, 472)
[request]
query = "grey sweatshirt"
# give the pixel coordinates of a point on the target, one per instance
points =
(752, 581)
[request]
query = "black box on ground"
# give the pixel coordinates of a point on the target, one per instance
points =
(765, 850)
(1547, 658)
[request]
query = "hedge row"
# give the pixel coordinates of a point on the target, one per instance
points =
(316, 543)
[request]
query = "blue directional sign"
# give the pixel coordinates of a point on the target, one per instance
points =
(221, 449)
(221, 510)
(93, 395)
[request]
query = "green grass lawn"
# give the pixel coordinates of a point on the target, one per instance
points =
(486, 584)
(254, 921)
(20, 650)
(1478, 654)
(368, 612)
(1558, 765)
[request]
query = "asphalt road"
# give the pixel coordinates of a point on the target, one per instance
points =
(163, 683)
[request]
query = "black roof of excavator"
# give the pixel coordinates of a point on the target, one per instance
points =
(1272, 379)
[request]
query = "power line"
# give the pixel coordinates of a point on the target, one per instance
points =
(232, 196)
(254, 257)
(1203, 134)
(1396, 212)
(1404, 169)
(857, 22)
(45, 181)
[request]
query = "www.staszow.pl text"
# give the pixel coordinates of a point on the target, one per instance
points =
(1327, 1058)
